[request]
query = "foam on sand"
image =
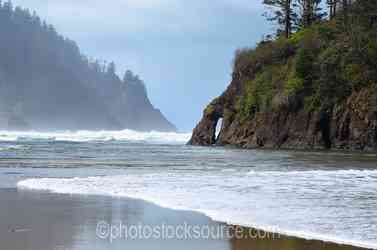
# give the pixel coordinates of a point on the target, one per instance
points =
(337, 206)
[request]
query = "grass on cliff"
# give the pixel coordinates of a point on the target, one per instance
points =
(322, 64)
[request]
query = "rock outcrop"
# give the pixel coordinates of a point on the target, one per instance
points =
(351, 126)
(314, 90)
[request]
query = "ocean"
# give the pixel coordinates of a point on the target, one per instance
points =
(329, 196)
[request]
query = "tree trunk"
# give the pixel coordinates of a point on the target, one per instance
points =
(345, 7)
(288, 21)
(307, 13)
(333, 6)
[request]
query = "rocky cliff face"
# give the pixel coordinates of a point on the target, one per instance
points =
(315, 90)
(351, 126)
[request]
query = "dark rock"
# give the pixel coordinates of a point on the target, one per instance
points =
(351, 126)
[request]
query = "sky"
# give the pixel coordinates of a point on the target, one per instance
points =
(182, 49)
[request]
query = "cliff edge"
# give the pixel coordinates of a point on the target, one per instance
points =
(315, 90)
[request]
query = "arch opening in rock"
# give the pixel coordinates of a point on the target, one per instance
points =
(219, 126)
(216, 131)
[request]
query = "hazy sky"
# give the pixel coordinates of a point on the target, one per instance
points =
(182, 49)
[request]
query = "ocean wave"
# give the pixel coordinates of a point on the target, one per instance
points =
(334, 206)
(88, 136)
(13, 147)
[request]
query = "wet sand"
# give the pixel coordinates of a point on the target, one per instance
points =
(43, 221)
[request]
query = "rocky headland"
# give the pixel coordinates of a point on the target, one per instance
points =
(314, 90)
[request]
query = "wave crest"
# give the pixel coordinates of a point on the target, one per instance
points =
(87, 136)
(335, 202)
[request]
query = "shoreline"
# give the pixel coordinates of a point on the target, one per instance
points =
(307, 240)
(303, 241)
(304, 237)
(287, 242)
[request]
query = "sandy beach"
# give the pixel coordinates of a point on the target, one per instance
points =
(45, 221)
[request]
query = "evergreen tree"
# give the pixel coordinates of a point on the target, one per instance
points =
(333, 7)
(282, 14)
(309, 11)
(111, 69)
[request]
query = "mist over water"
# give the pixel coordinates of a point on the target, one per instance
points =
(321, 195)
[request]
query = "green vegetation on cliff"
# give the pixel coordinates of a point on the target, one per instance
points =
(321, 65)
(313, 86)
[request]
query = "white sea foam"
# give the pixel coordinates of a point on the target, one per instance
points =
(338, 206)
(86, 136)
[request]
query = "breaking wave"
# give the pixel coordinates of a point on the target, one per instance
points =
(87, 136)
(337, 206)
